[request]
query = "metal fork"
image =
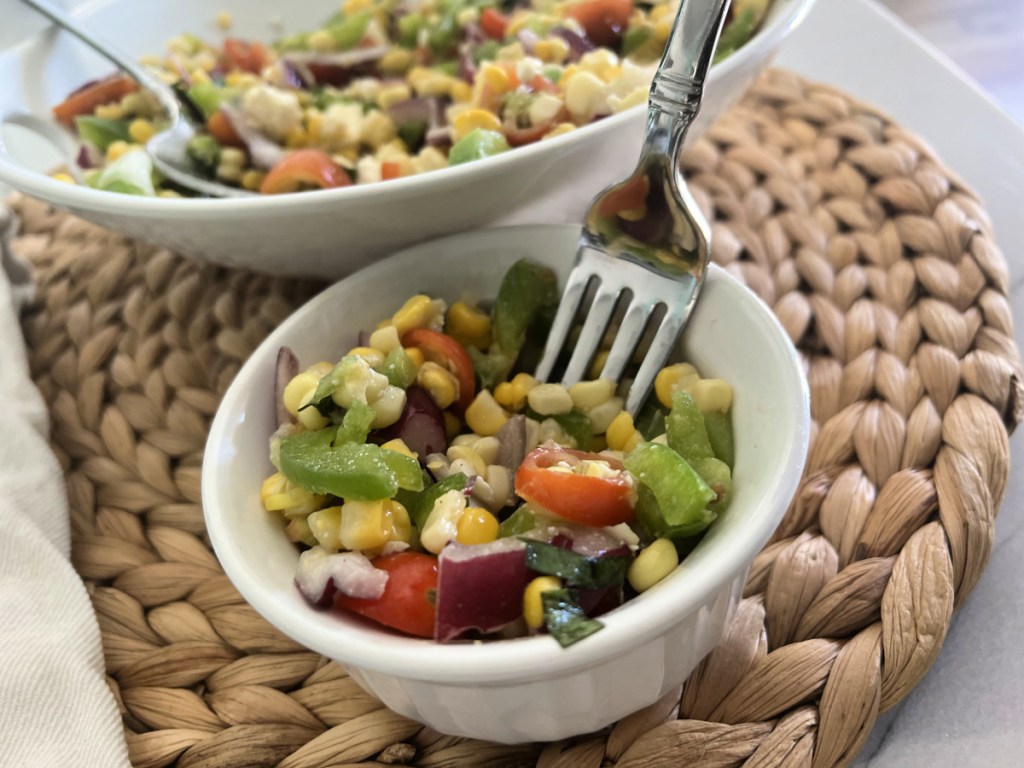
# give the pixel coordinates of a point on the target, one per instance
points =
(645, 236)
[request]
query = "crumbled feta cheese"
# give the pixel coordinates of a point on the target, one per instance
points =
(273, 111)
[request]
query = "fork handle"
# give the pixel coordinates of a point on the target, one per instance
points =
(679, 82)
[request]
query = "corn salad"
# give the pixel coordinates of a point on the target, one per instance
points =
(426, 453)
(384, 90)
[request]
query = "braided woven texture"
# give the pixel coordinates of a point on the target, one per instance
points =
(882, 268)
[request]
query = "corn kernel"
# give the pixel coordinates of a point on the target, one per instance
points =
(298, 390)
(362, 525)
(633, 441)
(441, 525)
(470, 456)
(661, 11)
(297, 531)
(388, 407)
(296, 137)
(350, 7)
(372, 356)
(119, 149)
(533, 606)
(392, 94)
(461, 92)
(396, 61)
(67, 178)
(321, 41)
(440, 383)
(488, 448)
(711, 394)
(552, 50)
(662, 29)
(590, 394)
(653, 564)
(469, 326)
(484, 416)
(468, 121)
(669, 380)
(167, 194)
(620, 430)
(274, 484)
(494, 77)
(512, 394)
(109, 111)
(325, 525)
(583, 95)
(476, 526)
(415, 313)
(224, 20)
(416, 355)
(452, 425)
(252, 179)
(239, 79)
(398, 446)
(311, 418)
(385, 339)
(601, 416)
(549, 399)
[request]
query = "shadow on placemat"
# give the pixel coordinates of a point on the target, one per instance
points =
(880, 265)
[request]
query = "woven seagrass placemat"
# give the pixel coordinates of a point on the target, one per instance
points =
(880, 264)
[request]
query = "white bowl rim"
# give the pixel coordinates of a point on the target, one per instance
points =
(75, 196)
(521, 658)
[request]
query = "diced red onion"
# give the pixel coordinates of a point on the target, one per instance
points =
(595, 602)
(292, 75)
(479, 587)
(512, 440)
(528, 39)
(88, 157)
(336, 69)
(287, 368)
(578, 44)
(421, 425)
(263, 152)
(321, 575)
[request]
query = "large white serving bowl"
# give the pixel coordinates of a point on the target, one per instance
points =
(325, 233)
(526, 689)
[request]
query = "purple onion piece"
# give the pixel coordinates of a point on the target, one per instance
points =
(287, 368)
(88, 157)
(578, 44)
(364, 338)
(479, 587)
(512, 439)
(467, 67)
(595, 602)
(439, 137)
(263, 152)
(292, 75)
(320, 576)
(337, 69)
(528, 39)
(421, 425)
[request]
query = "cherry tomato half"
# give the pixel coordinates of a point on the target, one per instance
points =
(223, 131)
(85, 100)
(494, 23)
(446, 351)
(408, 602)
(390, 170)
(309, 167)
(604, 499)
(249, 57)
(604, 21)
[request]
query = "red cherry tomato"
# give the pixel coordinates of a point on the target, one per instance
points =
(249, 57)
(577, 497)
(310, 167)
(408, 602)
(603, 20)
(518, 137)
(223, 131)
(494, 23)
(446, 351)
(85, 100)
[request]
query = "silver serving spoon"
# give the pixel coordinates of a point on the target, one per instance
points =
(167, 148)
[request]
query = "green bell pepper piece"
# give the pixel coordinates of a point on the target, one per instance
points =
(409, 27)
(101, 132)
(487, 51)
(425, 502)
(718, 476)
(524, 519)
(476, 145)
(672, 498)
(130, 174)
(685, 429)
(355, 425)
(719, 429)
(491, 368)
(635, 38)
(206, 96)
(526, 289)
(350, 471)
(399, 368)
(576, 424)
(351, 30)
(204, 151)
(651, 420)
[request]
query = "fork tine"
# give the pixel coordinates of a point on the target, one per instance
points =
(661, 347)
(631, 329)
(575, 288)
(594, 327)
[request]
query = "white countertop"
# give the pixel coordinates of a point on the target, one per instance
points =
(969, 710)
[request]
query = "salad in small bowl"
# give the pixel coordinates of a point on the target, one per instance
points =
(493, 564)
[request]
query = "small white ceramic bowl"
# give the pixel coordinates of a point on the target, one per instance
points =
(526, 689)
(326, 233)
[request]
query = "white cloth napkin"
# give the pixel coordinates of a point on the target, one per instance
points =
(55, 706)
